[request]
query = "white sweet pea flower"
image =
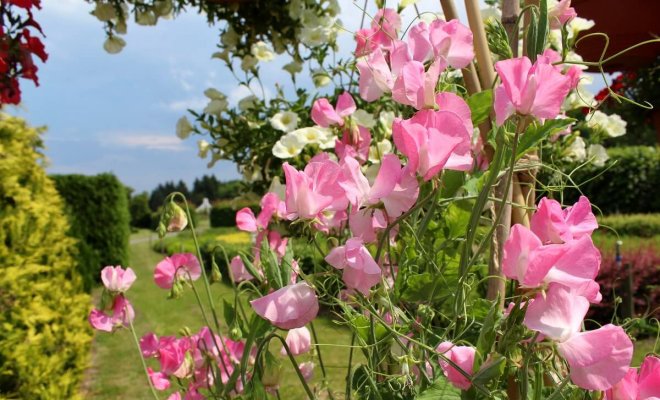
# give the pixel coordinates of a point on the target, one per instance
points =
(247, 102)
(248, 62)
(293, 67)
(320, 78)
(104, 12)
(575, 57)
(581, 97)
(216, 107)
(381, 148)
(313, 36)
(203, 147)
(214, 94)
(284, 121)
(328, 141)
(616, 126)
(333, 8)
(230, 38)
(295, 9)
(364, 118)
(405, 3)
(577, 151)
(183, 128)
(310, 135)
(491, 12)
(597, 154)
(262, 52)
(114, 44)
(577, 25)
(164, 9)
(386, 119)
(252, 174)
(146, 18)
(288, 146)
(121, 27)
(222, 55)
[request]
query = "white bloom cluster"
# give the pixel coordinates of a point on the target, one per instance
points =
(293, 142)
(217, 102)
(613, 125)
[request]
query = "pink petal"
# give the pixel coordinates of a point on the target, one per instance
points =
(324, 114)
(354, 183)
(149, 344)
(246, 221)
(463, 357)
(649, 378)
(238, 271)
(453, 41)
(518, 249)
(548, 222)
(299, 341)
(375, 76)
(100, 321)
(503, 106)
(403, 196)
(345, 105)
(580, 219)
(625, 389)
(553, 87)
(419, 42)
(513, 73)
(387, 178)
(558, 315)
(158, 379)
(187, 265)
(290, 307)
(164, 273)
(578, 267)
(409, 85)
(598, 359)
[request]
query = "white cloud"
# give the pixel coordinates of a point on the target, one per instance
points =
(147, 141)
(195, 103)
(182, 77)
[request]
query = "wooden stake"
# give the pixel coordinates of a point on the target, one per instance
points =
(484, 60)
(469, 73)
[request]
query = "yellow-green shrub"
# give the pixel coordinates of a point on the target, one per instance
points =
(44, 336)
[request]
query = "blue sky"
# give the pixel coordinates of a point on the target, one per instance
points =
(117, 113)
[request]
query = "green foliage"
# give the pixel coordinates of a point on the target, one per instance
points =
(642, 225)
(141, 215)
(222, 216)
(210, 187)
(44, 337)
(160, 193)
(98, 212)
(628, 185)
(480, 105)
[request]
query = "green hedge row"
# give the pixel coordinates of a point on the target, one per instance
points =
(44, 335)
(640, 225)
(98, 213)
(627, 184)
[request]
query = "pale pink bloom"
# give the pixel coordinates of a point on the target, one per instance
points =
(177, 266)
(246, 221)
(175, 396)
(463, 357)
(356, 146)
(360, 269)
(116, 279)
(376, 77)
(554, 225)
(314, 190)
(649, 378)
(238, 271)
(299, 341)
(452, 41)
(277, 243)
(597, 359)
(365, 223)
(428, 139)
(384, 29)
(538, 90)
(290, 307)
(415, 86)
(560, 14)
(158, 379)
(325, 115)
(172, 356)
(625, 389)
(149, 345)
(122, 315)
(307, 370)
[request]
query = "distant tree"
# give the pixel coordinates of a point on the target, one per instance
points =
(161, 191)
(210, 187)
(140, 211)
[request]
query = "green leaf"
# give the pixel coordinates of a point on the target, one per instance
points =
(363, 327)
(480, 106)
(542, 29)
(492, 369)
(531, 36)
(456, 219)
(451, 182)
(285, 265)
(535, 133)
(423, 287)
(271, 266)
(488, 333)
(440, 389)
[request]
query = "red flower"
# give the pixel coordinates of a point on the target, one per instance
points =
(27, 4)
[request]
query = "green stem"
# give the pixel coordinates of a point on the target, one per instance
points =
(350, 367)
(318, 353)
(144, 363)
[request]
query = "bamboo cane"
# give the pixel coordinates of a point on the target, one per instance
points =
(484, 60)
(469, 73)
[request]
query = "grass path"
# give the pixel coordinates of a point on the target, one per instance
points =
(115, 371)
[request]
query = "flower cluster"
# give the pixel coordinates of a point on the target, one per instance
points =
(116, 281)
(17, 48)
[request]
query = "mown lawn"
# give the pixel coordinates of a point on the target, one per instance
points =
(116, 371)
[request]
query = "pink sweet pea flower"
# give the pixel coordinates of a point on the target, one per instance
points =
(376, 78)
(299, 341)
(463, 357)
(452, 41)
(122, 315)
(560, 14)
(158, 379)
(648, 381)
(325, 115)
(429, 139)
(415, 86)
(597, 359)
(149, 345)
(175, 396)
(384, 29)
(314, 190)
(554, 225)
(365, 223)
(290, 307)
(177, 266)
(238, 271)
(116, 279)
(356, 146)
(307, 370)
(360, 269)
(246, 221)
(527, 89)
(626, 389)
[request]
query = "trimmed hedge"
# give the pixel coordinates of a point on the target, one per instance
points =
(628, 186)
(44, 336)
(641, 225)
(98, 212)
(222, 216)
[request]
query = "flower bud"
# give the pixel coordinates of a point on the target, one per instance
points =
(177, 289)
(178, 220)
(216, 275)
(273, 371)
